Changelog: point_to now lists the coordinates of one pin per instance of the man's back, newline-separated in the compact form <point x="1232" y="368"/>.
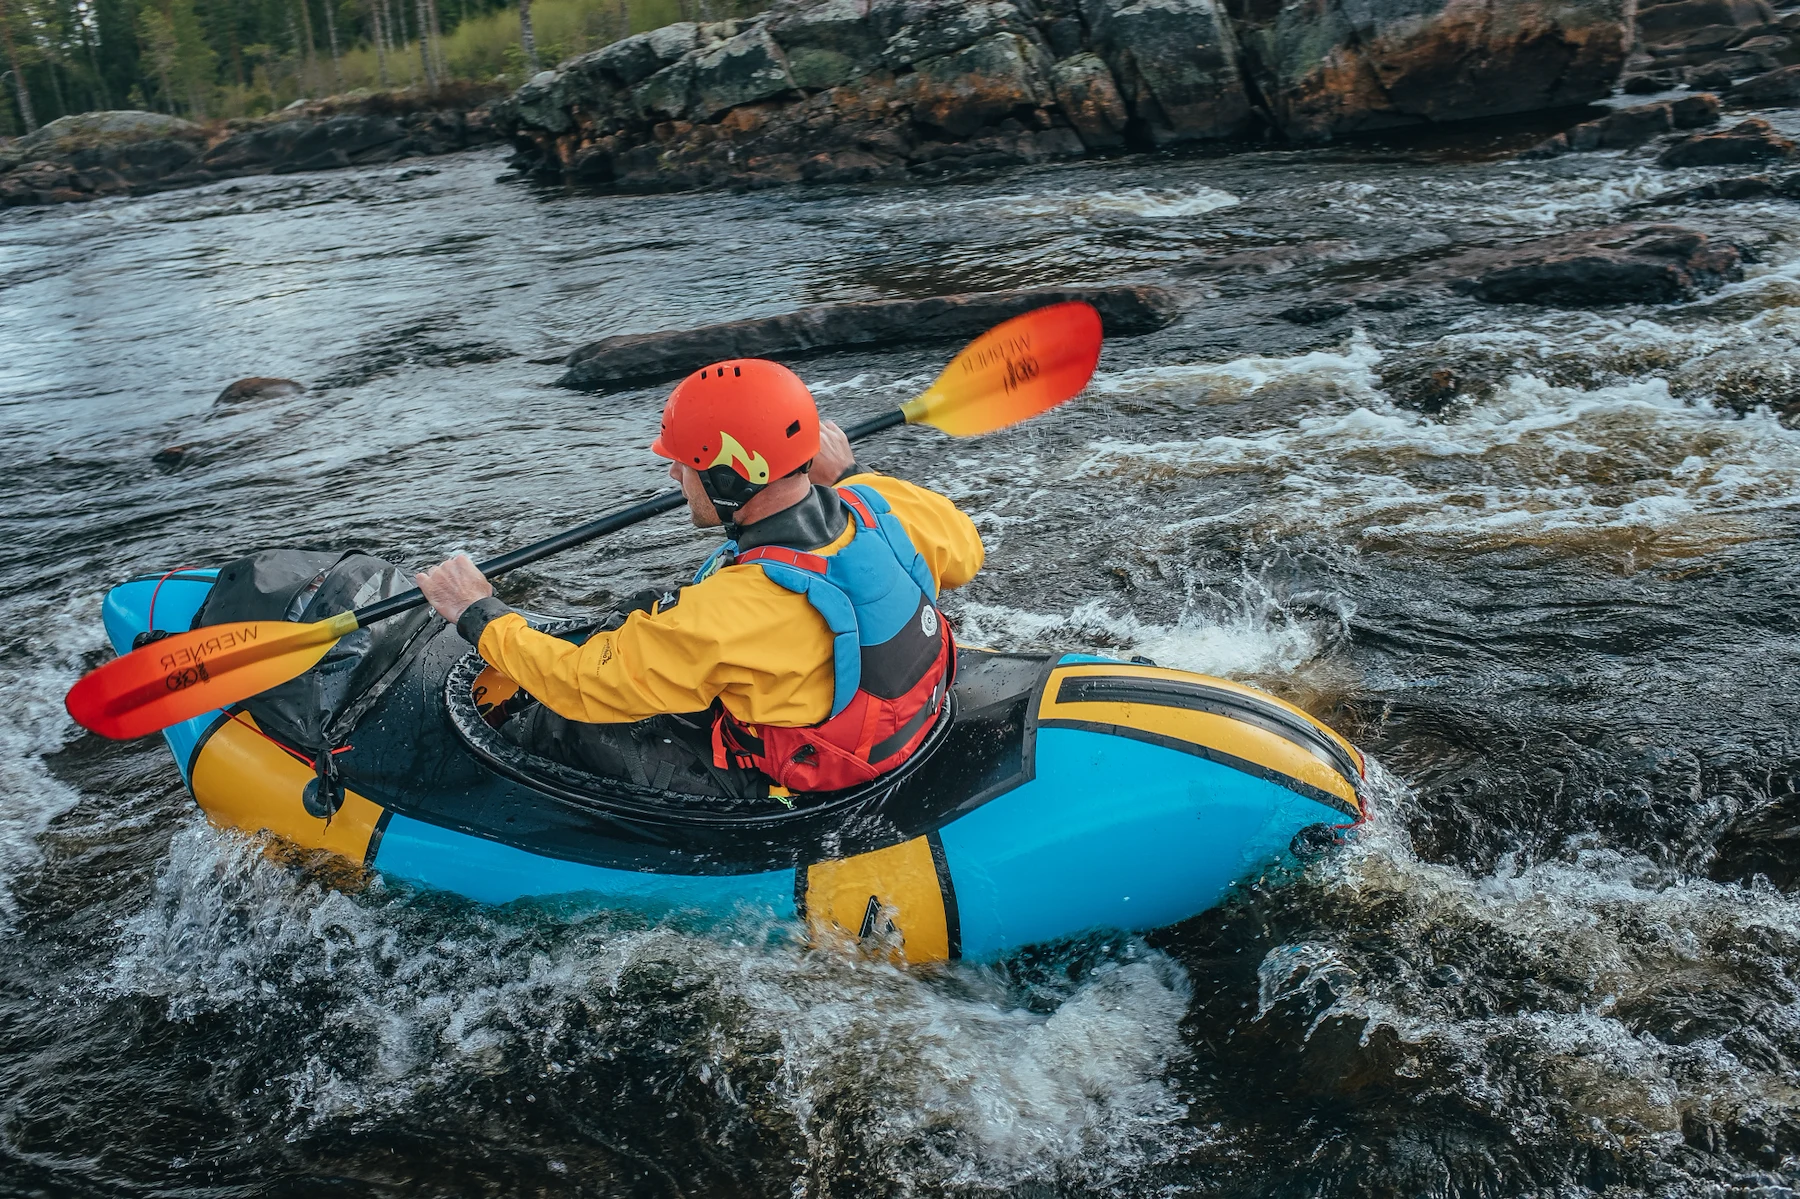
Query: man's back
<point x="737" y="636"/>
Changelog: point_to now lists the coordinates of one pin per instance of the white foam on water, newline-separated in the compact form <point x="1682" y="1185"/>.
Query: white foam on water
<point x="1536" y="462"/>
<point x="34" y="724"/>
<point x="946" y="1077"/>
<point x="1251" y="634"/>
<point x="1350" y="371"/>
<point x="1128" y="203"/>
<point x="1600" y="929"/>
<point x="1541" y="199"/>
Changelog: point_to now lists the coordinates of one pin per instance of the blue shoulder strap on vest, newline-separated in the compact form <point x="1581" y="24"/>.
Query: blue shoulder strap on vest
<point x="894" y="533"/>
<point x="865" y="563"/>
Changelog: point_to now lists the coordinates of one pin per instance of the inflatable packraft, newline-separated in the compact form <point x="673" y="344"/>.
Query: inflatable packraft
<point x="1062" y="793"/>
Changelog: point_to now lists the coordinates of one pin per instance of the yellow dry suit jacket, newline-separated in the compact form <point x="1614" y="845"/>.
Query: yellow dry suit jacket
<point x="736" y="636"/>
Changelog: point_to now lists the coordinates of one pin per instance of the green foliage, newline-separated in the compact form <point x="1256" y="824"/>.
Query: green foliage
<point x="231" y="58"/>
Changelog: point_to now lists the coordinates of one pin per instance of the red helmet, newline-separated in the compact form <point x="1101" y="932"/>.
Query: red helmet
<point x="742" y="424"/>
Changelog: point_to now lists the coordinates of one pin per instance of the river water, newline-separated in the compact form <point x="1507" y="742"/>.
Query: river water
<point x="1560" y="616"/>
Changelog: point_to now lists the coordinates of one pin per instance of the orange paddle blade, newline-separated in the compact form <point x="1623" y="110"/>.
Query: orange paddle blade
<point x="189" y="674"/>
<point x="1014" y="371"/>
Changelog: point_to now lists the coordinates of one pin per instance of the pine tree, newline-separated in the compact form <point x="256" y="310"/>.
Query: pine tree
<point x="21" y="90"/>
<point x="527" y="39"/>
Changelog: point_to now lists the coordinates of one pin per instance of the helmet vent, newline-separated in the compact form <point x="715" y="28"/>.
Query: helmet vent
<point x="793" y="428"/>
<point x="735" y="371"/>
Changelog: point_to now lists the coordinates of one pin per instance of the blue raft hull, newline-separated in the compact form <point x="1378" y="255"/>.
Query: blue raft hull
<point x="1082" y="793"/>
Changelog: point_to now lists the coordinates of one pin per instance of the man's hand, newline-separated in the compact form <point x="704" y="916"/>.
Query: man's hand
<point x="835" y="457"/>
<point x="453" y="585"/>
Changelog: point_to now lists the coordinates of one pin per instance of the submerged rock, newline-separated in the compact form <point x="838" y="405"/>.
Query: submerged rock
<point x="1740" y="187"/>
<point x="648" y="357"/>
<point x="1624" y="264"/>
<point x="1747" y="141"/>
<point x="259" y="387"/>
<point x="1314" y="314"/>
<point x="1773" y="89"/>
<point x="1763" y="841"/>
<point x="1630" y="127"/>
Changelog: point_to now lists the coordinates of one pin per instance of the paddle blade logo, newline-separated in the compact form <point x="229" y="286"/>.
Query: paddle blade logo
<point x="754" y="466"/>
<point x="190" y="674"/>
<point x="1014" y="371"/>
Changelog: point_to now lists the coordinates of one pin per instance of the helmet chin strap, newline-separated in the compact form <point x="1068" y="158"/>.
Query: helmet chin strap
<point x="728" y="491"/>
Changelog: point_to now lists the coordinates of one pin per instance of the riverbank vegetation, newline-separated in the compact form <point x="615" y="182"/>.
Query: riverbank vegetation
<point x="210" y="59"/>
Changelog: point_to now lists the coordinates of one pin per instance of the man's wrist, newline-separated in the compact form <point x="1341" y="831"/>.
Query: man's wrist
<point x="478" y="616"/>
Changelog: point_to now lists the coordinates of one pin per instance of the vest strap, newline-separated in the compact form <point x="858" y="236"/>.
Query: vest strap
<point x="798" y="559"/>
<point x="858" y="505"/>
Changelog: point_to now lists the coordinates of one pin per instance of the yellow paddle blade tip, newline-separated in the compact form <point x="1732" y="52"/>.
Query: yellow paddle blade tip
<point x="1016" y="370"/>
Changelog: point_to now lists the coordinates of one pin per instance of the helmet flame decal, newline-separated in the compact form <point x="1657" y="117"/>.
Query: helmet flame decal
<point x="731" y="452"/>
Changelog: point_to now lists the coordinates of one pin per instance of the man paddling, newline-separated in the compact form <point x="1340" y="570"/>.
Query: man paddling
<point x="807" y="654"/>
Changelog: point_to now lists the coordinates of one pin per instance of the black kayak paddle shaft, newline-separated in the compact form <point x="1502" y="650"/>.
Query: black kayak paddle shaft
<point x="568" y="539"/>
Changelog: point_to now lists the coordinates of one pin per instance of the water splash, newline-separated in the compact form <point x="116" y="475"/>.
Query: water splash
<point x="397" y="1004"/>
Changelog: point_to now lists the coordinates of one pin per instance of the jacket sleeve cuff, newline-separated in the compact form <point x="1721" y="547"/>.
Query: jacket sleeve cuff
<point x="477" y="616"/>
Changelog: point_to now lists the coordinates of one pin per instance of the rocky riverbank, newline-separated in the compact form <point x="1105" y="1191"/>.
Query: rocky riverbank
<point x="857" y="90"/>
<point x="849" y="90"/>
<point x="89" y="155"/>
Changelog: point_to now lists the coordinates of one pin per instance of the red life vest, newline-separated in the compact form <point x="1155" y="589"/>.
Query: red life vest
<point x="893" y="657"/>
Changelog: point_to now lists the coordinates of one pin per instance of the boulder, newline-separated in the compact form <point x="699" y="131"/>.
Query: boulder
<point x="945" y="29"/>
<point x="983" y="84"/>
<point x="1747" y="141"/>
<point x="1647" y="83"/>
<point x="259" y="387"/>
<point x="629" y="61"/>
<point x="1624" y="264"/>
<point x="649" y="357"/>
<point x="1176" y="63"/>
<point x="1672" y="20"/>
<point x="740" y="70"/>
<point x="1772" y="89"/>
<point x="826" y="43"/>
<point x="1630" y="127"/>
<point x="1715" y="78"/>
<point x="304" y="145"/>
<point x="91" y="129"/>
<point x="1089" y="96"/>
<point x="1330" y="67"/>
<point x="666" y="94"/>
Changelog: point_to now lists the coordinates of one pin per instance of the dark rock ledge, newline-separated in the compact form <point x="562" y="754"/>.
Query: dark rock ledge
<point x="89" y="155"/>
<point x="635" y="358"/>
<point x="1623" y="264"/>
<point x="1589" y="268"/>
